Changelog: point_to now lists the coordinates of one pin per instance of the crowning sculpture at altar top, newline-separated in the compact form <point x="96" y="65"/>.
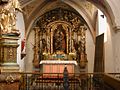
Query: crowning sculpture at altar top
<point x="8" y="12"/>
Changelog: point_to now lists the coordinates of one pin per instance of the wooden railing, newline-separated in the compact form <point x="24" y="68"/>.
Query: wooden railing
<point x="112" y="81"/>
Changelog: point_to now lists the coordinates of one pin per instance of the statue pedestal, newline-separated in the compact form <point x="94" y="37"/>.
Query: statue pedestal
<point x="8" y="53"/>
<point x="9" y="77"/>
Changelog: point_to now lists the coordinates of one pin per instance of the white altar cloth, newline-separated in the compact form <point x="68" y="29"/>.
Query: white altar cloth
<point x="57" y="62"/>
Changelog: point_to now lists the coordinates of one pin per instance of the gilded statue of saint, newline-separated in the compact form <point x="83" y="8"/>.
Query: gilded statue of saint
<point x="8" y="16"/>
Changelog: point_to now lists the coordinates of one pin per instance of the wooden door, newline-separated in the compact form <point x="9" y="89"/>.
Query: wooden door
<point x="99" y="54"/>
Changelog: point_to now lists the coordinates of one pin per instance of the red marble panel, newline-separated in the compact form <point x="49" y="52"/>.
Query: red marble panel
<point x="57" y="68"/>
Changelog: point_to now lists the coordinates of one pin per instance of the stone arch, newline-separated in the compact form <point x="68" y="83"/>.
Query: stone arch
<point x="35" y="14"/>
<point x="103" y="6"/>
<point x="106" y="8"/>
<point x="110" y="15"/>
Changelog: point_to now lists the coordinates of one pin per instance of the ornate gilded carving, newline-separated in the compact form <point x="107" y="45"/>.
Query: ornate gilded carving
<point x="56" y="36"/>
<point x="56" y="15"/>
<point x="8" y="49"/>
<point x="59" y="31"/>
<point x="8" y="16"/>
<point x="9" y="77"/>
<point x="37" y="51"/>
<point x="12" y="54"/>
<point x="8" y="54"/>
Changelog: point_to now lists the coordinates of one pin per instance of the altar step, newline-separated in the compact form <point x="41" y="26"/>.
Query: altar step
<point x="54" y="83"/>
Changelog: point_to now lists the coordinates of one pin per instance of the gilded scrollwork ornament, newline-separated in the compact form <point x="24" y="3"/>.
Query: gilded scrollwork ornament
<point x="10" y="79"/>
<point x="10" y="53"/>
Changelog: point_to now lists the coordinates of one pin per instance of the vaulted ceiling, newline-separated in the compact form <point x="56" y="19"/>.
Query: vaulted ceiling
<point x="35" y="8"/>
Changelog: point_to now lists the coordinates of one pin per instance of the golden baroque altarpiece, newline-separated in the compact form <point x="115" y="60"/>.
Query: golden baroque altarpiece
<point x="60" y="35"/>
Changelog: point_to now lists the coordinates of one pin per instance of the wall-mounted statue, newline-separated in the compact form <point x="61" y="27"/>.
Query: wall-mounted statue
<point x="77" y="46"/>
<point x="59" y="39"/>
<point x="44" y="45"/>
<point x="8" y="16"/>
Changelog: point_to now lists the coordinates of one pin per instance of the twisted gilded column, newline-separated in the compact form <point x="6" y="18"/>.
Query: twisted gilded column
<point x="36" y="47"/>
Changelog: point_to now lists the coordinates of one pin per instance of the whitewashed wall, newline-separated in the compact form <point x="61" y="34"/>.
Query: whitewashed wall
<point x="113" y="44"/>
<point x="116" y="51"/>
<point x="115" y="35"/>
<point x="109" y="59"/>
<point x="115" y="7"/>
<point x="29" y="51"/>
<point x="20" y="26"/>
<point x="90" y="50"/>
